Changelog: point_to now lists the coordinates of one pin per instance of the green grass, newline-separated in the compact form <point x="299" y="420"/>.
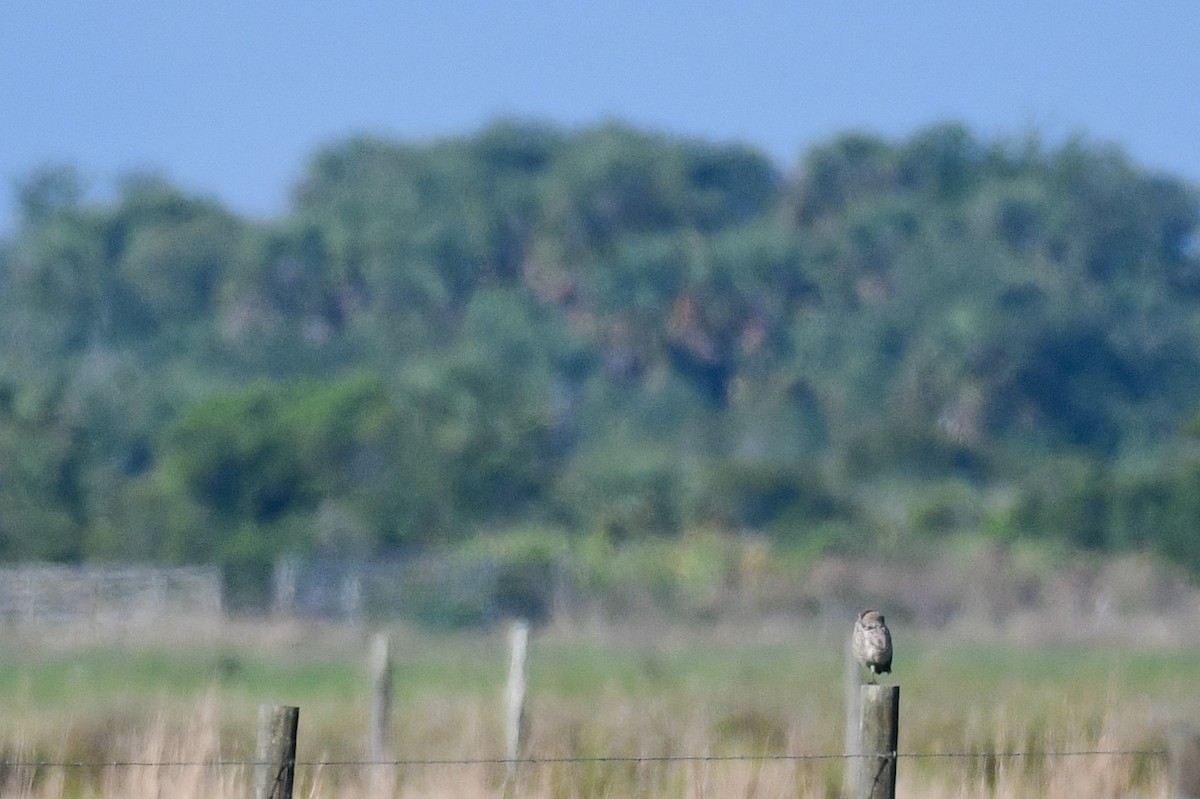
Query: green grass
<point x="324" y="667"/>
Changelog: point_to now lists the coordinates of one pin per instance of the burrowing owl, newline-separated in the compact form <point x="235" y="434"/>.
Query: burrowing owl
<point x="872" y="643"/>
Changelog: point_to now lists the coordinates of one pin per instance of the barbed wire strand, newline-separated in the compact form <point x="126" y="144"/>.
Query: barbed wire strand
<point x="540" y="761"/>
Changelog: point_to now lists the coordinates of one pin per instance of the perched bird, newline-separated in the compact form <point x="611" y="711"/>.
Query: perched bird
<point x="872" y="643"/>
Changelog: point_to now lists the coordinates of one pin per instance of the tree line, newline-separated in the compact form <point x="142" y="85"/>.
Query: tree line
<point x="611" y="333"/>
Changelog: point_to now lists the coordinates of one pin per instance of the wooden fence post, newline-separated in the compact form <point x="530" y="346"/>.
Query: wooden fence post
<point x="275" y="754"/>
<point x="514" y="695"/>
<point x="381" y="698"/>
<point x="1184" y="762"/>
<point x="879" y="730"/>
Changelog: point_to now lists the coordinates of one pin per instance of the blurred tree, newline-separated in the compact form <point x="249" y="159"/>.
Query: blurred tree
<point x="603" y="329"/>
<point x="42" y="477"/>
<point x="47" y="192"/>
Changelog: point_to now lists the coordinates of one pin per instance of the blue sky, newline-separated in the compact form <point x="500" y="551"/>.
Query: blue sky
<point x="230" y="98"/>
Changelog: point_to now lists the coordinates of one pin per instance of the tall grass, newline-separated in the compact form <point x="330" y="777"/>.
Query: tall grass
<point x="1000" y="777"/>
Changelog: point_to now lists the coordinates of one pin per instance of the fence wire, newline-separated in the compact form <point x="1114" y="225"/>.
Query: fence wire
<point x="577" y="760"/>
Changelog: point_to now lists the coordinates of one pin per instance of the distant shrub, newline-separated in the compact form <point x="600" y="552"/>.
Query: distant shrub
<point x="757" y="495"/>
<point x="526" y="565"/>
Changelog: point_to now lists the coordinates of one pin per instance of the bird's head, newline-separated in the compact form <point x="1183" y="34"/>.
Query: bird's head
<point x="870" y="618"/>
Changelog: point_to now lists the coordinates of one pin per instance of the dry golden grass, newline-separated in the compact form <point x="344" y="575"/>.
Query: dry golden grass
<point x="1095" y="777"/>
<point x="1071" y="776"/>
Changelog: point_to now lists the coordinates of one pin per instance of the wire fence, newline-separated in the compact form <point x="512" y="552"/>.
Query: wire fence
<point x="41" y="595"/>
<point x="578" y="759"/>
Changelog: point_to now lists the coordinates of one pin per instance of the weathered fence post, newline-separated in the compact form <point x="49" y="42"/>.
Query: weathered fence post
<point x="514" y="695"/>
<point x="381" y="698"/>
<point x="879" y="733"/>
<point x="1184" y="762"/>
<point x="284" y="580"/>
<point x="275" y="754"/>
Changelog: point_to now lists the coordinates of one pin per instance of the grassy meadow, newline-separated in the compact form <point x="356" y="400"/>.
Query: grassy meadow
<point x="613" y="691"/>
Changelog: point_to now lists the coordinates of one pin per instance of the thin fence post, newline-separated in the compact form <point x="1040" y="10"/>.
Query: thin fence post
<point x="284" y="581"/>
<point x="1183" y="753"/>
<point x="879" y="730"/>
<point x="275" y="754"/>
<point x="514" y="695"/>
<point x="381" y="698"/>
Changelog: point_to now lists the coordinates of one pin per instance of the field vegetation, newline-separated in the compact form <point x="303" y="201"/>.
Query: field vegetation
<point x="645" y="692"/>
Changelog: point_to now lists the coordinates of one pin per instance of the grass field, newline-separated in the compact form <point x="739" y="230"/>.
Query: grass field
<point x="612" y="693"/>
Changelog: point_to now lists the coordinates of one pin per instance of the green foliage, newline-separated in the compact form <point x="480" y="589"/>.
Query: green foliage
<point x="757" y="495"/>
<point x="238" y="456"/>
<point x="526" y="565"/>
<point x="41" y="479"/>
<point x="608" y="332"/>
<point x="1089" y="504"/>
<point x="625" y="491"/>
